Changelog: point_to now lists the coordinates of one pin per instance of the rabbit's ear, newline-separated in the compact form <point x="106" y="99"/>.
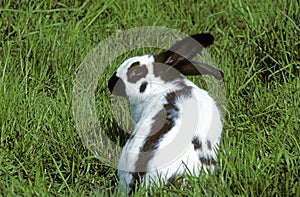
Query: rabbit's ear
<point x="191" y="67"/>
<point x="179" y="56"/>
<point x="185" y="49"/>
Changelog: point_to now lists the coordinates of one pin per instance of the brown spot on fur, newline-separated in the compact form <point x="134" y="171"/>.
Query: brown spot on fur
<point x="165" y="72"/>
<point x="208" y="144"/>
<point x="207" y="161"/>
<point x="163" y="122"/>
<point x="197" y="143"/>
<point x="136" y="72"/>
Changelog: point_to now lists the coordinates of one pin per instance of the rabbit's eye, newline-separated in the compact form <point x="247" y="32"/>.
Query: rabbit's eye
<point x="133" y="65"/>
<point x="143" y="87"/>
<point x="136" y="72"/>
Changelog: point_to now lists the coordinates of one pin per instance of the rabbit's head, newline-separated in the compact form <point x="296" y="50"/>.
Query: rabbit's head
<point x="142" y="76"/>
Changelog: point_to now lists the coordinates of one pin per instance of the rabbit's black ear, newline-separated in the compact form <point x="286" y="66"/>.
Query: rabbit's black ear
<point x="191" y="67"/>
<point x="179" y="56"/>
<point x="185" y="49"/>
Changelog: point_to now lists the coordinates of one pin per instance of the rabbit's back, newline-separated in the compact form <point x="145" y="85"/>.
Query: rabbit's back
<point x="182" y="136"/>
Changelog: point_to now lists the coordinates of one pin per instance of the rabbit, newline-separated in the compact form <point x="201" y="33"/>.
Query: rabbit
<point x="177" y="125"/>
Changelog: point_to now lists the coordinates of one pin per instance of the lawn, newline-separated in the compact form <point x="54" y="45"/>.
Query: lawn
<point x="43" y="44"/>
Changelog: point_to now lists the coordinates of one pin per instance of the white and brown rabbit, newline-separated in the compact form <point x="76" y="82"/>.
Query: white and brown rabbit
<point x="177" y="125"/>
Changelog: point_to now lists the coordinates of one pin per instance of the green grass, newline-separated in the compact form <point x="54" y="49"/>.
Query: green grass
<point x="43" y="44"/>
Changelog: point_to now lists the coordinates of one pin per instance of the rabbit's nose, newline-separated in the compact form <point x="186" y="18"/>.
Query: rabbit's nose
<point x="116" y="86"/>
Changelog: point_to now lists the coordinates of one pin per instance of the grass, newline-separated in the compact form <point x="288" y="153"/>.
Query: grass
<point x="44" y="42"/>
